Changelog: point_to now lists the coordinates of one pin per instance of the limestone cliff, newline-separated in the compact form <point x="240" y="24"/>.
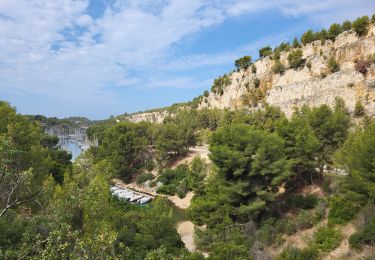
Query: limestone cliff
<point x="312" y="84"/>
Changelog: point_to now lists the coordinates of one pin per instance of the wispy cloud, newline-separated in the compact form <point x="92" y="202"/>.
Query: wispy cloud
<point x="59" y="48"/>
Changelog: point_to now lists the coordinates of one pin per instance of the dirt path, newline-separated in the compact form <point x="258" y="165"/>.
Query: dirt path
<point x="183" y="203"/>
<point x="202" y="151"/>
<point x="186" y="230"/>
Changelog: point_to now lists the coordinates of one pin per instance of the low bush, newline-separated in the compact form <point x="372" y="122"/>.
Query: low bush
<point x="256" y="82"/>
<point x="305" y="220"/>
<point x="293" y="253"/>
<point x="144" y="177"/>
<point x="334" y="30"/>
<point x="346" y="26"/>
<point x="304" y="202"/>
<point x="360" y="25"/>
<point x="333" y="65"/>
<point x="327" y="239"/>
<point x="278" y="67"/>
<point x="253" y="69"/>
<point x="342" y="209"/>
<point x="265" y="51"/>
<point x="167" y="190"/>
<point x="295" y="59"/>
<point x="359" y="110"/>
<point x="307" y="37"/>
<point x="243" y="63"/>
<point x="220" y="84"/>
<point x="366" y="236"/>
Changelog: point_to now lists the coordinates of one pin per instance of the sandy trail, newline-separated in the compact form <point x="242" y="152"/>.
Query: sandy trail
<point x="202" y="151"/>
<point x="186" y="230"/>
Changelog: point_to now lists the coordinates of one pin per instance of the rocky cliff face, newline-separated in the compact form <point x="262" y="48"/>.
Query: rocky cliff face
<point x="312" y="84"/>
<point x="154" y="117"/>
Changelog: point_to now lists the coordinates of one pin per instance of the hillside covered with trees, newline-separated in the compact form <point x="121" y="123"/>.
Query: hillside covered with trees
<point x="276" y="186"/>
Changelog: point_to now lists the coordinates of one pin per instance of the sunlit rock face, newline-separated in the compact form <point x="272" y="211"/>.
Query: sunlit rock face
<point x="312" y="84"/>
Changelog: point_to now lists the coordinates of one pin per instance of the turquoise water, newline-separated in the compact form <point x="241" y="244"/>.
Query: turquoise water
<point x="73" y="149"/>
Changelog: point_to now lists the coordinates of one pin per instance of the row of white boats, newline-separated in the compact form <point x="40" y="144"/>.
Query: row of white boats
<point x="130" y="195"/>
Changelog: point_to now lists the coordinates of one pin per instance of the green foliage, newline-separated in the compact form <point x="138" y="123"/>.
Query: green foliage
<point x="293" y="253"/>
<point x="206" y="93"/>
<point x="125" y="146"/>
<point x="334" y="30"/>
<point x="333" y="66"/>
<point x="307" y="37"/>
<point x="357" y="157"/>
<point x="360" y="25"/>
<point x="359" y="110"/>
<point x="251" y="164"/>
<point x="256" y="83"/>
<point x="220" y="84"/>
<point x="144" y="177"/>
<point x="323" y="35"/>
<point x="300" y="201"/>
<point x="265" y="51"/>
<point x="366" y="236"/>
<point x="295" y="59"/>
<point x="327" y="239"/>
<point x="278" y="67"/>
<point x="174" y="139"/>
<point x="373" y="18"/>
<point x="253" y="69"/>
<point x="343" y="208"/>
<point x="346" y="26"/>
<point x="330" y="127"/>
<point x="243" y="63"/>
<point x="296" y="43"/>
<point x="184" y="178"/>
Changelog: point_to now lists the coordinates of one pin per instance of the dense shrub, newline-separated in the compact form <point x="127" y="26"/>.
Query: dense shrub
<point x="296" y="43"/>
<point x="373" y="18"/>
<point x="167" y="189"/>
<point x="333" y="65"/>
<point x="220" y="84"/>
<point x="295" y="59"/>
<point x="265" y="51"/>
<point x="278" y="67"/>
<point x="334" y="30"/>
<point x="359" y="110"/>
<point x="243" y="63"/>
<point x="360" y="25"/>
<point x="256" y="82"/>
<point x="293" y="253"/>
<point x="253" y="69"/>
<point x="307" y="37"/>
<point x="206" y="93"/>
<point x="144" y="177"/>
<point x="304" y="220"/>
<point x="342" y="209"/>
<point x="346" y="26"/>
<point x="327" y="239"/>
<point x="304" y="202"/>
<point x="364" y="237"/>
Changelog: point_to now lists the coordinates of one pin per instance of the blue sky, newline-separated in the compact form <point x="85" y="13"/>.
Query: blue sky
<point x="98" y="58"/>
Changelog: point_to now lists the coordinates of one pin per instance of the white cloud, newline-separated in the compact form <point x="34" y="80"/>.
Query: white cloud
<point x="54" y="47"/>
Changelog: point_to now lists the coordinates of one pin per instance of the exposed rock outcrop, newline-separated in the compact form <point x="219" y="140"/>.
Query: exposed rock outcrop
<point x="313" y="84"/>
